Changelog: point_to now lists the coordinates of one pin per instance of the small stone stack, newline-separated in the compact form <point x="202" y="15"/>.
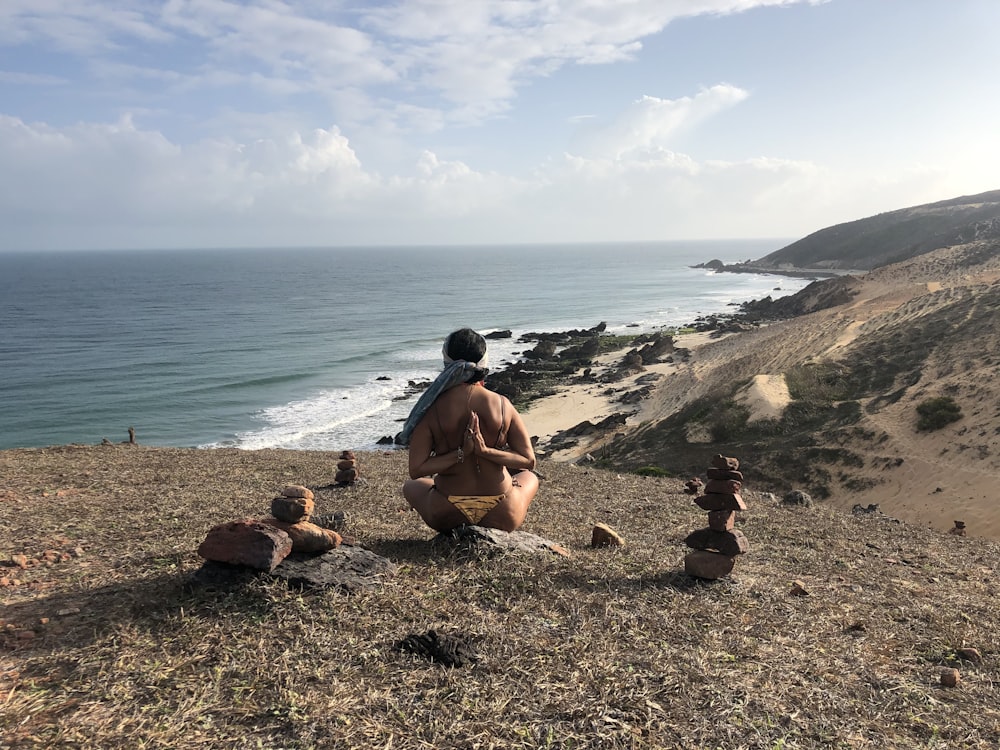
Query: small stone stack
<point x="347" y="469"/>
<point x="291" y="512"/>
<point x="693" y="486"/>
<point x="264" y="543"/>
<point x="717" y="546"/>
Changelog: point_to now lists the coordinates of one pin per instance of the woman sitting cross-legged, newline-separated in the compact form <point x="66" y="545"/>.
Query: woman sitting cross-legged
<point x="471" y="460"/>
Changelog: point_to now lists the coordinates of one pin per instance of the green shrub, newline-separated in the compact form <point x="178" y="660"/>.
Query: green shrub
<point x="935" y="413"/>
<point x="820" y="382"/>
<point x="728" y="421"/>
<point x="652" y="471"/>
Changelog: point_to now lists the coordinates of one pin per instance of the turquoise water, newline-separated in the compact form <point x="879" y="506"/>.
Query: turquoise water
<point x="305" y="348"/>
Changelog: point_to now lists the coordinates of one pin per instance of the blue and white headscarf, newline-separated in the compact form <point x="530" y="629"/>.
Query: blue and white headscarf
<point x="456" y="372"/>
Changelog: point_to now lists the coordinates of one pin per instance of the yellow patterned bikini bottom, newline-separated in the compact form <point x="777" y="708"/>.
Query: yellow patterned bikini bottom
<point x="474" y="507"/>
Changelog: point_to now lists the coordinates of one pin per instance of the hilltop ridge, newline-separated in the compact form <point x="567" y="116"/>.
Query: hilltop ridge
<point x="892" y="237"/>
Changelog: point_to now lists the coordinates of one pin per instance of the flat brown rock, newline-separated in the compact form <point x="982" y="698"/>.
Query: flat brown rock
<point x="724" y="486"/>
<point x="721" y="520"/>
<point x="346" y="476"/>
<point x="708" y="565"/>
<point x="714" y="473"/>
<point x="729" y="543"/>
<point x="721" y="501"/>
<point x="307" y="537"/>
<point x="297" y="490"/>
<point x="247" y="542"/>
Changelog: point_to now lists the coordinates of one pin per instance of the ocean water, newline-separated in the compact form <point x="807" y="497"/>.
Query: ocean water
<point x="307" y="348"/>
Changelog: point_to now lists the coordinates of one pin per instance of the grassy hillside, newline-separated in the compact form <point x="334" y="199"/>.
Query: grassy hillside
<point x="106" y="647"/>
<point x="894" y="236"/>
<point x="857" y="375"/>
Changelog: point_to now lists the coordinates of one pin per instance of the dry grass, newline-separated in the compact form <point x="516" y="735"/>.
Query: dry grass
<point x="605" y="649"/>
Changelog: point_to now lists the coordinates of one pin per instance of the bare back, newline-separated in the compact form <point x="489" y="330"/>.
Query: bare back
<point x="448" y="420"/>
<point x="471" y="446"/>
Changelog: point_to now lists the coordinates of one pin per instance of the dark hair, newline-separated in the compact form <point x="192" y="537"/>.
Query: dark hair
<point x="466" y="344"/>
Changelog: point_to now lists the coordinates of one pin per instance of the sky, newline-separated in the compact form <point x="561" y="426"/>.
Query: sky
<point x="276" y="123"/>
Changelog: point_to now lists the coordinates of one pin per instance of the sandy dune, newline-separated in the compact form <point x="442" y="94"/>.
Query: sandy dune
<point x="931" y="478"/>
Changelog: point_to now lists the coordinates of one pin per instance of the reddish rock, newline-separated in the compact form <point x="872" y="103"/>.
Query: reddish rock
<point x="348" y="454"/>
<point x="720" y="501"/>
<point x="708" y="565"/>
<point x="724" y="462"/>
<point x="714" y="473"/>
<point x="969" y="654"/>
<point x="730" y="543"/>
<point x="292" y="509"/>
<point x="721" y="520"/>
<point x="346" y="463"/>
<point x="346" y="476"/>
<point x="950" y="677"/>
<point x="693" y="486"/>
<point x="20" y="561"/>
<point x="297" y="490"/>
<point x="723" y="486"/>
<point x="959" y="529"/>
<point x="251" y="543"/>
<point x="604" y="536"/>
<point x="307" y="537"/>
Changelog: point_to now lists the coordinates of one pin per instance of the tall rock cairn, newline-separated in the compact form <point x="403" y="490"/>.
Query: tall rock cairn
<point x="716" y="548"/>
<point x="347" y="468"/>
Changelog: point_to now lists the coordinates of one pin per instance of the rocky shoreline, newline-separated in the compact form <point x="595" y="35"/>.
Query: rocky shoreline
<point x="579" y="358"/>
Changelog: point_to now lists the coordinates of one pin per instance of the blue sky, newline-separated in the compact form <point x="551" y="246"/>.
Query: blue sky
<point x="205" y="123"/>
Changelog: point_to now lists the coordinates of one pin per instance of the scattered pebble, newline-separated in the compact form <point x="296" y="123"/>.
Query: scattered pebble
<point x="605" y="536"/>
<point x="970" y="654"/>
<point x="950" y="677"/>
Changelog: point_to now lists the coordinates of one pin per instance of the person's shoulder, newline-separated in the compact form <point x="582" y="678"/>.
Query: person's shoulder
<point x="496" y="397"/>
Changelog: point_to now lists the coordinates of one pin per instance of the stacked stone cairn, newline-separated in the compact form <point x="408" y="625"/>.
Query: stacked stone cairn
<point x="716" y="548"/>
<point x="693" y="486"/>
<point x="347" y="469"/>
<point x="264" y="543"/>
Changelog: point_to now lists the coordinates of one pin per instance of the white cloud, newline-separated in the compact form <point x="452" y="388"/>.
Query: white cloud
<point x="464" y="58"/>
<point x="650" y="122"/>
<point x="121" y="174"/>
<point x="80" y="27"/>
<point x="108" y="185"/>
<point x="250" y="171"/>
